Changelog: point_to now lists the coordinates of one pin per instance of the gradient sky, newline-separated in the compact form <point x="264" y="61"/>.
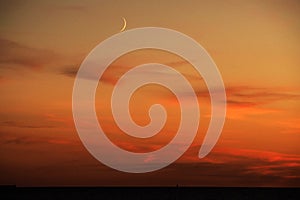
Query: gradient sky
<point x="255" y="45"/>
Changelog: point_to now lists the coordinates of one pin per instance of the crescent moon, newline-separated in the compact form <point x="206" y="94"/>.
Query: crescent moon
<point x="124" y="26"/>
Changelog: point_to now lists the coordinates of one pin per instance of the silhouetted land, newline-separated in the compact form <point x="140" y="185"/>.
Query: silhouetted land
<point x="144" y="193"/>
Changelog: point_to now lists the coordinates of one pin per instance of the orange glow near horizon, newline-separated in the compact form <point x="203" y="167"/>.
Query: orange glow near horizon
<point x="254" y="44"/>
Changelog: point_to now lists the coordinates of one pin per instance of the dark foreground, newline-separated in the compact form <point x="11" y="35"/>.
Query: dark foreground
<point x="150" y="193"/>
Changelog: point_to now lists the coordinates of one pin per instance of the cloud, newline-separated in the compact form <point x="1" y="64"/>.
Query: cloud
<point x="245" y="166"/>
<point x="256" y="96"/>
<point x="243" y="101"/>
<point x="9" y="139"/>
<point x="23" y="125"/>
<point x="63" y="158"/>
<point x="70" y="70"/>
<point x="80" y="8"/>
<point x="111" y="78"/>
<point x="68" y="7"/>
<point x="14" y="55"/>
<point x="116" y="71"/>
<point x="227" y="175"/>
<point x="2" y="79"/>
<point x="25" y="139"/>
<point x="246" y="96"/>
<point x="290" y="125"/>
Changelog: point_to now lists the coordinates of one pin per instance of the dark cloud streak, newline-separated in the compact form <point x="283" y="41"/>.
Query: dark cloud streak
<point x="23" y="125"/>
<point x="14" y="55"/>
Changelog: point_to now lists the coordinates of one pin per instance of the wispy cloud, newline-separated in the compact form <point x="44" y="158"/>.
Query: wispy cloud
<point x="255" y="95"/>
<point x="252" y="164"/>
<point x="21" y="139"/>
<point x="116" y="71"/>
<point x="23" y="125"/>
<point x="14" y="55"/>
<point x="290" y="125"/>
<point x="244" y="101"/>
<point x="2" y="79"/>
<point x="68" y="7"/>
<point x="70" y="70"/>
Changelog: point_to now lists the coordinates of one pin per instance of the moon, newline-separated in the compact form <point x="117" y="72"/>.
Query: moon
<point x="124" y="26"/>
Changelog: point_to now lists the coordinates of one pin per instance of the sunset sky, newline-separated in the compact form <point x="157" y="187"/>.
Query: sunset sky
<point x="255" y="44"/>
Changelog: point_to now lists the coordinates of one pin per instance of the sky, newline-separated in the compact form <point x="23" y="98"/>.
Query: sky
<point x="255" y="45"/>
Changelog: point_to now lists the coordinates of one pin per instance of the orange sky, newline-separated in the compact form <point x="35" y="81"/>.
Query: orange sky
<point x="255" y="45"/>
